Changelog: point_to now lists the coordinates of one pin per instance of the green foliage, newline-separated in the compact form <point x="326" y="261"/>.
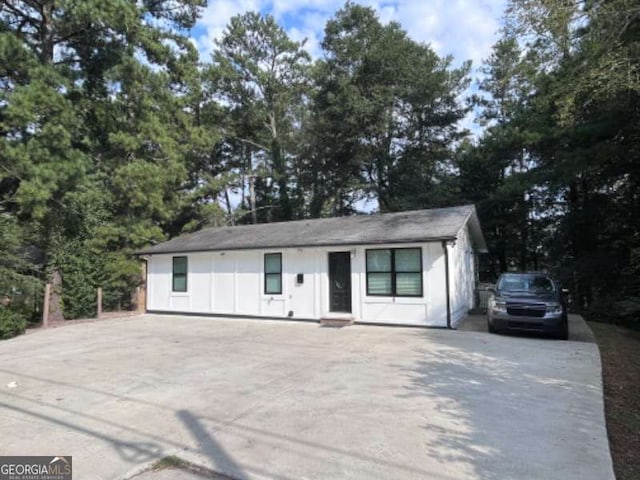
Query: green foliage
<point x="95" y="106"/>
<point x="262" y="75"/>
<point x="78" y="290"/>
<point x="385" y="116"/>
<point x="113" y="136"/>
<point x="620" y="311"/>
<point x="12" y="323"/>
<point x="20" y="287"/>
<point x="558" y="160"/>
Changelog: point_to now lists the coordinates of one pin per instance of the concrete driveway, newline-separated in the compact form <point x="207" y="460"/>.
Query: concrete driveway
<point x="285" y="400"/>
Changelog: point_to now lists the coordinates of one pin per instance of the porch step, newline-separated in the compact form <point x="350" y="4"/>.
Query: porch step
<point x="336" y="322"/>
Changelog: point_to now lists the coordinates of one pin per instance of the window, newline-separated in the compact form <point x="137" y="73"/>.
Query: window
<point x="273" y="273"/>
<point x="379" y="272"/>
<point x="179" y="274"/>
<point x="394" y="272"/>
<point x="524" y="282"/>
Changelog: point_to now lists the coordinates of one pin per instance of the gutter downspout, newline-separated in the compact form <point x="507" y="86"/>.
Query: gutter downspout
<point x="446" y="275"/>
<point x="144" y="288"/>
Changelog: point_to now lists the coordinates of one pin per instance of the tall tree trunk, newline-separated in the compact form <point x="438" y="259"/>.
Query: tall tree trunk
<point x="317" y="200"/>
<point x="47" y="42"/>
<point x="384" y="203"/>
<point x="573" y="242"/>
<point x="252" y="199"/>
<point x="281" y="179"/>
<point x="524" y="217"/>
<point x="227" y="201"/>
<point x="524" y="253"/>
<point x="55" y="299"/>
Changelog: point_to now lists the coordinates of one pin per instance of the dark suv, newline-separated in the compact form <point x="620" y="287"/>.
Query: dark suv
<point x="531" y="302"/>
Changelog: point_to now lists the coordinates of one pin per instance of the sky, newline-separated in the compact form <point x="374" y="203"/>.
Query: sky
<point x="465" y="29"/>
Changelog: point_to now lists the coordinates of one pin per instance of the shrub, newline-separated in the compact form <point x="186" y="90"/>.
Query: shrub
<point x="619" y="312"/>
<point x="12" y="323"/>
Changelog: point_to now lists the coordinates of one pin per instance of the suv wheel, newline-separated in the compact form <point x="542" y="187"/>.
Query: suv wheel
<point x="564" y="331"/>
<point x="491" y="328"/>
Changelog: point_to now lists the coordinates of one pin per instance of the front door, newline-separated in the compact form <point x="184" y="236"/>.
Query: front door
<point x="340" y="282"/>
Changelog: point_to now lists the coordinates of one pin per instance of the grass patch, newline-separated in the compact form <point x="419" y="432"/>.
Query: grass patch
<point x="176" y="463"/>
<point x="620" y="353"/>
<point x="169" y="462"/>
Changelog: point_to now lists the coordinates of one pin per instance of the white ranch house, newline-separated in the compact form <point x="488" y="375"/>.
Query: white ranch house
<point x="411" y="268"/>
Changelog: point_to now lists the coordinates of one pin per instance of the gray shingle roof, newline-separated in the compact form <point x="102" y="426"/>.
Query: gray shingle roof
<point x="403" y="227"/>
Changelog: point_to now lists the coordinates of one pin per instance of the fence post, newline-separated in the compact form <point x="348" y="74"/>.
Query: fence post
<point x="99" y="302"/>
<point x="141" y="291"/>
<point x="45" y="306"/>
<point x="55" y="298"/>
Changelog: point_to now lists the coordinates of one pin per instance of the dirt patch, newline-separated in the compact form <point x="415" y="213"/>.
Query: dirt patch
<point x="620" y="352"/>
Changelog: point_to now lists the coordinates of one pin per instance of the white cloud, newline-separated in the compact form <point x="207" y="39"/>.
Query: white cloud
<point x="215" y="18"/>
<point x="311" y="38"/>
<point x="465" y="29"/>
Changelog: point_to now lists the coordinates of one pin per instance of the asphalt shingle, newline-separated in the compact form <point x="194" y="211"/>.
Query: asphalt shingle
<point x="402" y="227"/>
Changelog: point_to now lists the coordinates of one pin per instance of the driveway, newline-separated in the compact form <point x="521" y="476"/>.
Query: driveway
<point x="286" y="400"/>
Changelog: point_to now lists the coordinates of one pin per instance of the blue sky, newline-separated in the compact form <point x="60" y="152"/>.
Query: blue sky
<point x="465" y="29"/>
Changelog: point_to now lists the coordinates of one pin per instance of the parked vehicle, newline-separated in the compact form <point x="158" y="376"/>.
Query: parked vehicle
<point x="531" y="302"/>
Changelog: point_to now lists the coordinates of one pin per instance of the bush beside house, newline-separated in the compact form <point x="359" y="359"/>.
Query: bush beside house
<point x="12" y="323"/>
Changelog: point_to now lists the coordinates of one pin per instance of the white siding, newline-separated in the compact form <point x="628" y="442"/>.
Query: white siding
<point x="159" y="283"/>
<point x="248" y="285"/>
<point x="223" y="285"/>
<point x="232" y="282"/>
<point x="436" y="289"/>
<point x="462" y="268"/>
<point x="301" y="295"/>
<point x="199" y="282"/>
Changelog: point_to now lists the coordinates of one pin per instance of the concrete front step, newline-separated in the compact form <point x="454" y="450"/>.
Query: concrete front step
<point x="336" y="321"/>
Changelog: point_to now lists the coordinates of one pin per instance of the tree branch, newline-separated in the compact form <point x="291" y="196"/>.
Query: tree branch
<point x="251" y="142"/>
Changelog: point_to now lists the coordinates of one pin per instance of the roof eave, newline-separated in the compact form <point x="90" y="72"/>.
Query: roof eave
<point x="476" y="232"/>
<point x="149" y="252"/>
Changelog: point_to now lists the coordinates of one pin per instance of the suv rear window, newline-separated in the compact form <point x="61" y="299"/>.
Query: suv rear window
<point x="525" y="283"/>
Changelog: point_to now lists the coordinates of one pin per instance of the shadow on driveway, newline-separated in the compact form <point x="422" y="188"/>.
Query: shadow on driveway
<point x="579" y="331"/>
<point x="499" y="392"/>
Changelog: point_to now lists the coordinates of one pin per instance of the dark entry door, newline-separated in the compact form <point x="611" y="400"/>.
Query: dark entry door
<point x="340" y="282"/>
